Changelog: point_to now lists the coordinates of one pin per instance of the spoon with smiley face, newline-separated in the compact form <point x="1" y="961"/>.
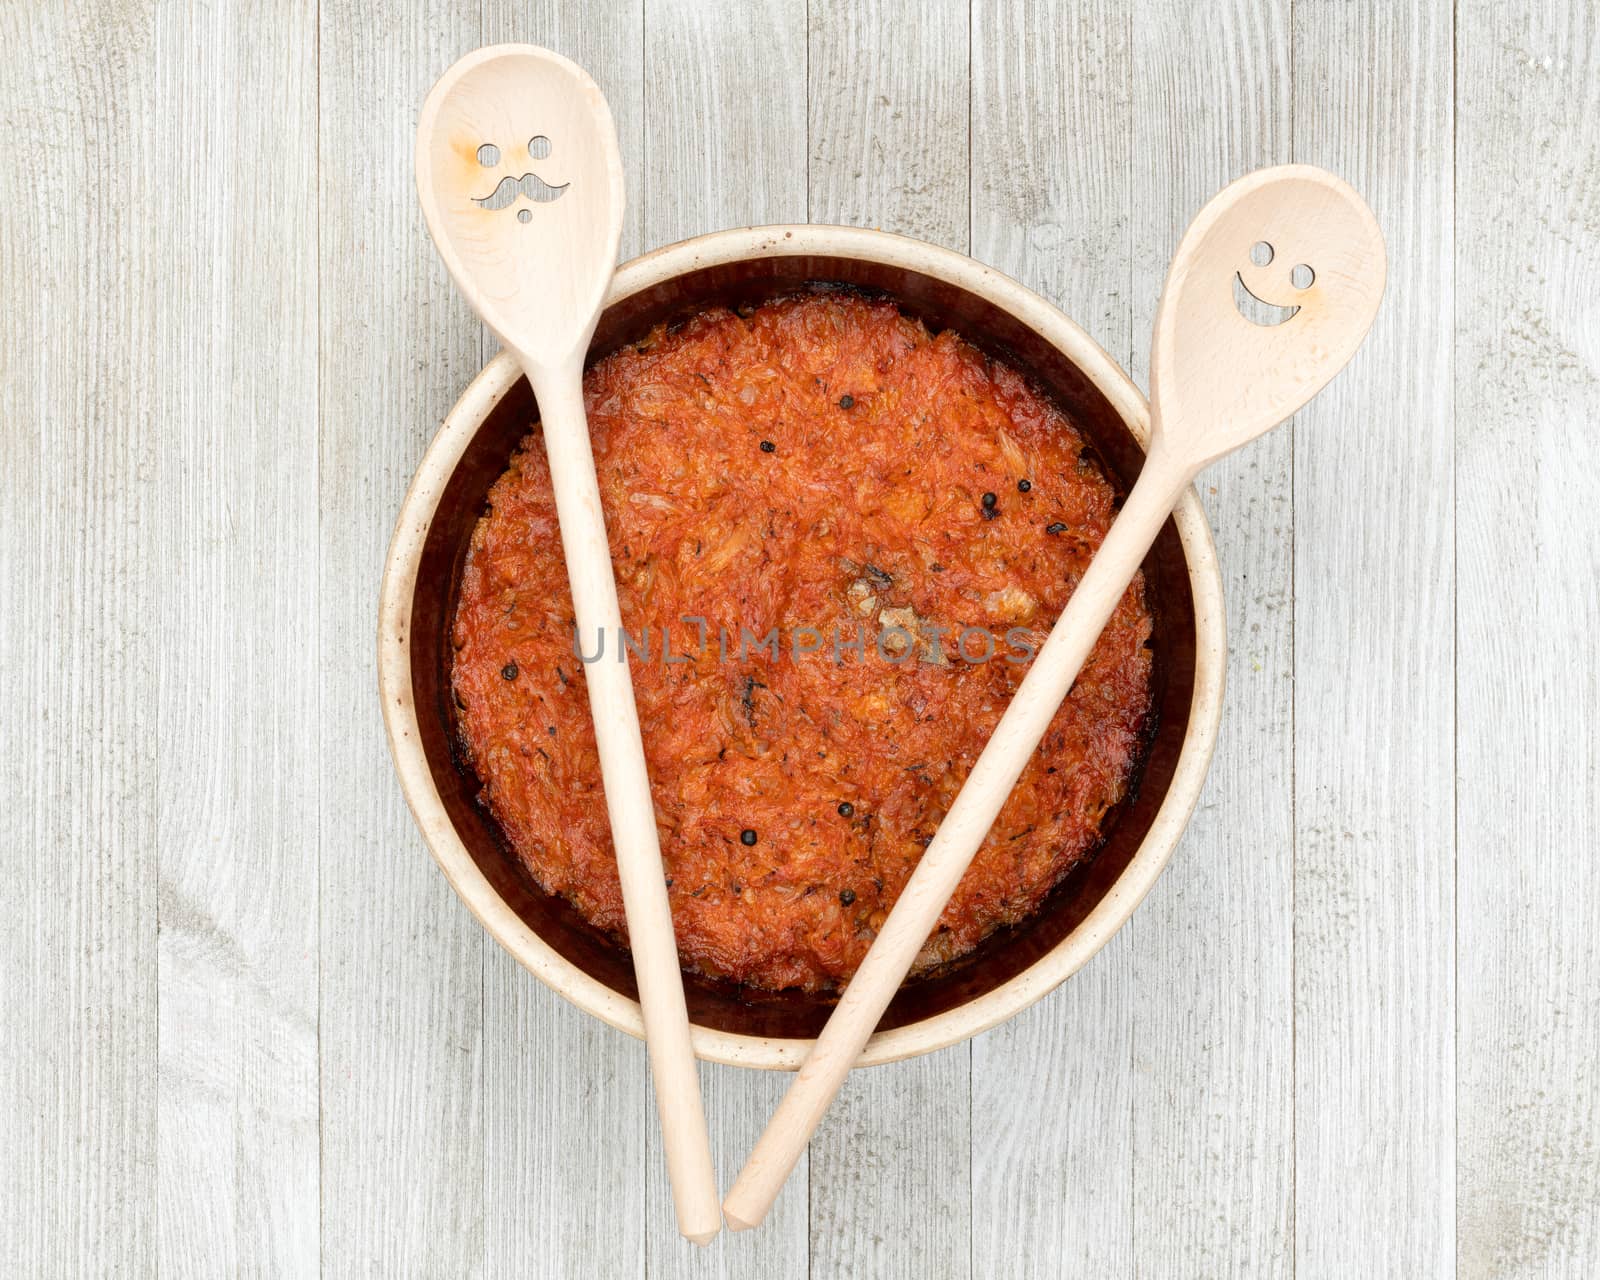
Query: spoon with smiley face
<point x="529" y="231"/>
<point x="1218" y="380"/>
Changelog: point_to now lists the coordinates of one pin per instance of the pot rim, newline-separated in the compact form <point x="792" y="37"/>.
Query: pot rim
<point x="564" y="977"/>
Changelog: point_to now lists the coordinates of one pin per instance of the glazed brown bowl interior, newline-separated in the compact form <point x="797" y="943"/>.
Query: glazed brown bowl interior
<point x="939" y="305"/>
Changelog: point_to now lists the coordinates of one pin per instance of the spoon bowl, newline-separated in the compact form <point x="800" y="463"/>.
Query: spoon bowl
<point x="520" y="179"/>
<point x="1296" y="238"/>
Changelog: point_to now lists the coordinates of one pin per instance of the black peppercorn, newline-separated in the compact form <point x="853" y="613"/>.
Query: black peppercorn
<point x="1057" y="527"/>
<point x="747" y="836"/>
<point x="768" y="447"/>
<point x="846" y="809"/>
<point x="1024" y="485"/>
<point x="509" y="671"/>
<point x="847" y="402"/>
<point x="846" y="897"/>
<point x="990" y="499"/>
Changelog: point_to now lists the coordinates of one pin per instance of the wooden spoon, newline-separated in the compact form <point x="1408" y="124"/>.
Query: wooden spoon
<point x="1218" y="381"/>
<point x="520" y="180"/>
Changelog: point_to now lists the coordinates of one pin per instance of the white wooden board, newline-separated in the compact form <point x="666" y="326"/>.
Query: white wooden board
<point x="247" y="1026"/>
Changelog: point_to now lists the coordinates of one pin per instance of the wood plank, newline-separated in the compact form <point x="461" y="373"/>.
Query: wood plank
<point x="1528" y="757"/>
<point x="1374" y="678"/>
<point x="566" y="1107"/>
<point x="725" y="145"/>
<point x="891" y="1166"/>
<point x="726" y="115"/>
<point x="1212" y="990"/>
<point x="79" y="255"/>
<point x="1052" y="1090"/>
<point x="889" y="102"/>
<point x="567" y="1100"/>
<point x="403" y="1164"/>
<point x="891" y="1173"/>
<point x="232" y="615"/>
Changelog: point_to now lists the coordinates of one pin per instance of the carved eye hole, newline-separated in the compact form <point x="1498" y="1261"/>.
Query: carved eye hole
<point x="1302" y="276"/>
<point x="488" y="155"/>
<point x="539" y="146"/>
<point x="1261" y="254"/>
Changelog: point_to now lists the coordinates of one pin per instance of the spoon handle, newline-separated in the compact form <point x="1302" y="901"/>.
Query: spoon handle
<point x="559" y="393"/>
<point x="946" y="859"/>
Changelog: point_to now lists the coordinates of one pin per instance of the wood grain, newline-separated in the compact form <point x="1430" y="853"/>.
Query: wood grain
<point x="889" y="103"/>
<point x="1212" y="985"/>
<point x="403" y="1147"/>
<point x="1052" y="1118"/>
<point x="235" y="608"/>
<point x="80" y="268"/>
<point x="725" y="115"/>
<point x="890" y="1165"/>
<point x="1527" y="766"/>
<point x="1374" y="680"/>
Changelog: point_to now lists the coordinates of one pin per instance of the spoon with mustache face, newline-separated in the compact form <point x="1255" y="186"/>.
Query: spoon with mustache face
<point x="537" y="273"/>
<point x="1217" y="381"/>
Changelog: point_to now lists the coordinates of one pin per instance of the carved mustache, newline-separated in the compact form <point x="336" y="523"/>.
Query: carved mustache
<point x="530" y="185"/>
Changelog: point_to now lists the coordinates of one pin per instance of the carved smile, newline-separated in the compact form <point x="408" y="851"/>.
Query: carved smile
<point x="1259" y="310"/>
<point x="529" y="184"/>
